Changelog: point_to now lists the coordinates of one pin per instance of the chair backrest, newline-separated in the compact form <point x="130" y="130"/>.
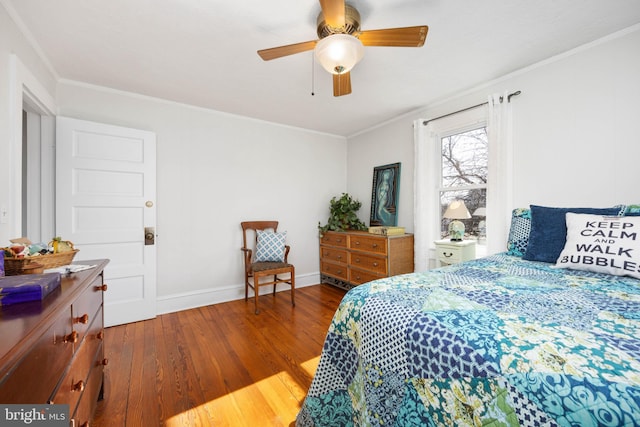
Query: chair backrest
<point x="250" y="227"/>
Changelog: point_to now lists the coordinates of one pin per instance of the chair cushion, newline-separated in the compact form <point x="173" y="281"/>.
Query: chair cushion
<point x="262" y="266"/>
<point x="270" y="246"/>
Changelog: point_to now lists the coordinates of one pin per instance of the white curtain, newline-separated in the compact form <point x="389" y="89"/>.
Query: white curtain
<point x="499" y="188"/>
<point x="425" y="181"/>
<point x="499" y="185"/>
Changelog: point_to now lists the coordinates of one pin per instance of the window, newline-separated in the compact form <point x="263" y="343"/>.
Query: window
<point x="463" y="176"/>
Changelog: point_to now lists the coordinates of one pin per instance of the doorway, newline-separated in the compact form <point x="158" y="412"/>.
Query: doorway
<point x="38" y="175"/>
<point x="32" y="114"/>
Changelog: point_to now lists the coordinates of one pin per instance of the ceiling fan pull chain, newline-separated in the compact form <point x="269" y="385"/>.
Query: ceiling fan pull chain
<point x="313" y="74"/>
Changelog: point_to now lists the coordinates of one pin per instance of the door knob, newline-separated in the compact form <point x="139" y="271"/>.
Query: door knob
<point x="149" y="235"/>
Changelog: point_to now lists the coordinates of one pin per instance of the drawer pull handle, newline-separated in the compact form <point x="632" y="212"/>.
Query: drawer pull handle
<point x="79" y="386"/>
<point x="375" y="264"/>
<point x="84" y="319"/>
<point x="357" y="242"/>
<point x="100" y="335"/>
<point x="72" y="337"/>
<point x="447" y="255"/>
<point x="104" y="362"/>
<point x="375" y="245"/>
<point x="339" y="256"/>
<point x="102" y="288"/>
<point x="338" y="240"/>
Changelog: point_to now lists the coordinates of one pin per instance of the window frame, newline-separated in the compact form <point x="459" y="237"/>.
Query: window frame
<point x="456" y="123"/>
<point x="438" y="147"/>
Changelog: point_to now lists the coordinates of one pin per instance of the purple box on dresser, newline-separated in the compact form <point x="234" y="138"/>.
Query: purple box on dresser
<point x="28" y="287"/>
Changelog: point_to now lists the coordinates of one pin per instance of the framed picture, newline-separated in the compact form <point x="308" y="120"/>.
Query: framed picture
<point x="384" y="195"/>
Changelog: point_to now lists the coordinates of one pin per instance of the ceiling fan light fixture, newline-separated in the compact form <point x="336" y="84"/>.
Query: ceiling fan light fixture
<point x="339" y="53"/>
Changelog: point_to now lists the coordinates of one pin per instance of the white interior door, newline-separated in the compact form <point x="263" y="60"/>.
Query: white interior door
<point x="105" y="199"/>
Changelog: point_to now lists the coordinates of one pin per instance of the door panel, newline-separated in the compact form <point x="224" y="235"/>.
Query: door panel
<point x="105" y="197"/>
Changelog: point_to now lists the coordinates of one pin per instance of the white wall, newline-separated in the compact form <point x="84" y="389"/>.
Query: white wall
<point x="215" y="170"/>
<point x="19" y="63"/>
<point x="575" y="129"/>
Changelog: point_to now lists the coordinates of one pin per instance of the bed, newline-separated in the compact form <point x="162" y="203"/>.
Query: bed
<point x="498" y="341"/>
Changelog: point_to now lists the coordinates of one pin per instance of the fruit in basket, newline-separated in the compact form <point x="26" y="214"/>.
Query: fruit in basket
<point x="38" y="249"/>
<point x="60" y="245"/>
<point x="19" y="251"/>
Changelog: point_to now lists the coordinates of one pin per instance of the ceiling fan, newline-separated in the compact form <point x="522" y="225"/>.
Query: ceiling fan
<point x="341" y="42"/>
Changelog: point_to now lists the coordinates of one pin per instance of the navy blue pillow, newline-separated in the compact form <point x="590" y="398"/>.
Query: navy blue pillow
<point x="549" y="230"/>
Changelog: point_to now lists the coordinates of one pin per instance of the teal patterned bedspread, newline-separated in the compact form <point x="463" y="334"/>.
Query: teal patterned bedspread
<point x="498" y="341"/>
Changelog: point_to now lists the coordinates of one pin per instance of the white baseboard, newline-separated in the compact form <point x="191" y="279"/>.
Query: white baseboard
<point x="187" y="300"/>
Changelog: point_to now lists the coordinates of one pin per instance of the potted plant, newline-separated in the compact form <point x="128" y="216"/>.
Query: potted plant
<point x="343" y="215"/>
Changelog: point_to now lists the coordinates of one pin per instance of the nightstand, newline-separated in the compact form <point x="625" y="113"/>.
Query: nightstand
<point x="448" y="252"/>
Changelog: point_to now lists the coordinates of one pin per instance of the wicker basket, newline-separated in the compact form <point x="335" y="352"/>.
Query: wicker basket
<point x="16" y="266"/>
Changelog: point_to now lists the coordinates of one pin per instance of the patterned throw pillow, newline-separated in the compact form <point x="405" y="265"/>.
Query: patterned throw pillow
<point x="632" y="210"/>
<point x="519" y="232"/>
<point x="602" y="244"/>
<point x="270" y="246"/>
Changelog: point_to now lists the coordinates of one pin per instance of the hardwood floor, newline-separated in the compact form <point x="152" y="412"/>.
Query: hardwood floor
<point x="219" y="365"/>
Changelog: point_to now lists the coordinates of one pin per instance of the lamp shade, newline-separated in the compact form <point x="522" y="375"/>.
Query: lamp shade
<point x="338" y="53"/>
<point x="480" y="212"/>
<point x="457" y="210"/>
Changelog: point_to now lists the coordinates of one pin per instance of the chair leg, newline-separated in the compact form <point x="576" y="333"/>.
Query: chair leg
<point x="256" y="290"/>
<point x="275" y="284"/>
<point x="293" y="286"/>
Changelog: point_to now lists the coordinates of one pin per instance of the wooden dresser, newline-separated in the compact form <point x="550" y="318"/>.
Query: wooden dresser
<point x="350" y="258"/>
<point x="52" y="351"/>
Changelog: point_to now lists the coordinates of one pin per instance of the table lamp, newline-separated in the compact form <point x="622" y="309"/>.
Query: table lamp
<point x="456" y="210"/>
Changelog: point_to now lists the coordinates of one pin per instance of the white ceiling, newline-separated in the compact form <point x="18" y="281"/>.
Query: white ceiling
<point x="203" y="52"/>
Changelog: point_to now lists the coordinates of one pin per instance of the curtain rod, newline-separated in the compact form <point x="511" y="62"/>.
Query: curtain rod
<point x="516" y="93"/>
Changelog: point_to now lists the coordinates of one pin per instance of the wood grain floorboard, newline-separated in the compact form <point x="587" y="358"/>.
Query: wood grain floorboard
<point x="219" y="365"/>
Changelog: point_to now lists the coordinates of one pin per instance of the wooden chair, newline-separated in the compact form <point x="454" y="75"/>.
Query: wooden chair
<point x="255" y="273"/>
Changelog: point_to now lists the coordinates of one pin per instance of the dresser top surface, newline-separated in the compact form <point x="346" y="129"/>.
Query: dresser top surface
<point x="366" y="233"/>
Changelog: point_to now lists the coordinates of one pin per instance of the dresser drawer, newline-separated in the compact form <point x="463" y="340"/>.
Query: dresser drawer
<point x="358" y="277"/>
<point x="449" y="255"/>
<point x="332" y="254"/>
<point x="368" y="262"/>
<point x="33" y="378"/>
<point x="448" y="252"/>
<point x="334" y="239"/>
<point x="336" y="270"/>
<point x="84" y="309"/>
<point x="349" y="258"/>
<point x="368" y="243"/>
<point x="89" y="399"/>
<point x="75" y="380"/>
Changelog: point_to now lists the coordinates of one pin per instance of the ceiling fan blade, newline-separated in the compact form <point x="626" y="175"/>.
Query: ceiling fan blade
<point x="342" y="84"/>
<point x="333" y="12"/>
<point x="280" y="51"/>
<point x="398" y="37"/>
